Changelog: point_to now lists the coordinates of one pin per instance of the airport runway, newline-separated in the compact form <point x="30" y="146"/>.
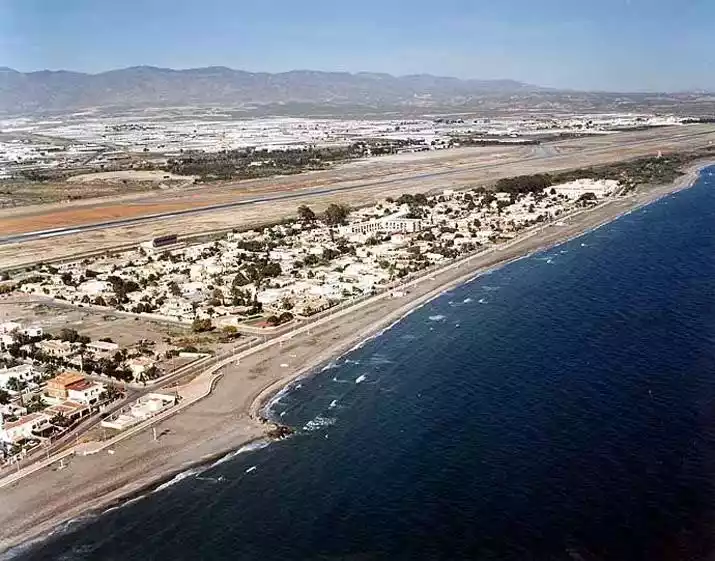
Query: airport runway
<point x="55" y="232"/>
<point x="539" y="153"/>
<point x="302" y="194"/>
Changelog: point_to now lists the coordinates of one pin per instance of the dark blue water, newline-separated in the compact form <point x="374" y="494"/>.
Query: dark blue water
<point x="562" y="407"/>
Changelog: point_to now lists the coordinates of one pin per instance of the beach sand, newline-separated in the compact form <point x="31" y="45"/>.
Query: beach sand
<point x="226" y="419"/>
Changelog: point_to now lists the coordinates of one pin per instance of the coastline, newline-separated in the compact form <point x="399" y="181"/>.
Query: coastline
<point x="42" y="504"/>
<point x="268" y="394"/>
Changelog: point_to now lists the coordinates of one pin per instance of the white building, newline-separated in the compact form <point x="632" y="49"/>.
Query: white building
<point x="33" y="331"/>
<point x="56" y="348"/>
<point x="389" y="224"/>
<point x="95" y="287"/>
<point x="23" y="428"/>
<point x="574" y="189"/>
<point x="139" y="365"/>
<point x="9" y="327"/>
<point x="102" y="346"/>
<point x="22" y="373"/>
<point x="85" y="392"/>
<point x="144" y="408"/>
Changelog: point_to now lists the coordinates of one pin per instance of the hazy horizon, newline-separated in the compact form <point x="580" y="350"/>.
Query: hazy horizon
<point x="616" y="45"/>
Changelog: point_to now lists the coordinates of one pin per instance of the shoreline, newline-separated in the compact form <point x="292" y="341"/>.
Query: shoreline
<point x="268" y="394"/>
<point x="252" y="407"/>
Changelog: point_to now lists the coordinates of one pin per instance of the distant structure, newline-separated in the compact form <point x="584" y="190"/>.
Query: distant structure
<point x="162" y="243"/>
<point x="393" y="224"/>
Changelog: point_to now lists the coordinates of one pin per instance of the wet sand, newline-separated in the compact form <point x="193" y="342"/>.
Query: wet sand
<point x="226" y="419"/>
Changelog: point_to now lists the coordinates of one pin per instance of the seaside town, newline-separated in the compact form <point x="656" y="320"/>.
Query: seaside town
<point x="282" y="274"/>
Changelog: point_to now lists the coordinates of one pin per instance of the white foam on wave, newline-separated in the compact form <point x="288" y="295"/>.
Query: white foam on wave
<point x="438" y="317"/>
<point x="178" y="478"/>
<point x="126" y="503"/>
<point x="466" y="300"/>
<point x="318" y="423"/>
<point x="360" y="379"/>
<point x="252" y="447"/>
<point x="483" y="301"/>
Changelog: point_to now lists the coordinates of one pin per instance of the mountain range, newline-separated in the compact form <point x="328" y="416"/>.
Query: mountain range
<point x="150" y="86"/>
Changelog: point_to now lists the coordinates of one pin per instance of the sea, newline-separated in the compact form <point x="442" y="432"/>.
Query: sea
<point x="559" y="408"/>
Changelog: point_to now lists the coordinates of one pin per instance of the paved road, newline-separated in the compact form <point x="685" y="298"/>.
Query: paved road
<point x="539" y="153"/>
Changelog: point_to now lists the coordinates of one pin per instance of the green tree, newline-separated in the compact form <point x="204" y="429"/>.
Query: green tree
<point x="15" y="385"/>
<point x="60" y="420"/>
<point x="110" y="394"/>
<point x="174" y="288"/>
<point x="336" y="214"/>
<point x="201" y="325"/>
<point x="67" y="334"/>
<point x="4" y="397"/>
<point x="306" y="214"/>
<point x="35" y="404"/>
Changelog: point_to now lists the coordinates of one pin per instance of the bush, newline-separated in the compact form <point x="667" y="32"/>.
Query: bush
<point x="201" y="325"/>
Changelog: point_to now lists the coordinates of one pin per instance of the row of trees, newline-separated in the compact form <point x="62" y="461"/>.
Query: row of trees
<point x="249" y="163"/>
<point x="334" y="215"/>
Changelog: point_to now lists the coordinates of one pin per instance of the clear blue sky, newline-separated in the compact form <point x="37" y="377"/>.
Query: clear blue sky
<point x="585" y="44"/>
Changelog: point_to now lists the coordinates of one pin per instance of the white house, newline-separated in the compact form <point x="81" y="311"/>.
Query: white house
<point x="102" y="346"/>
<point x="9" y="327"/>
<point x="94" y="287"/>
<point x="22" y="372"/>
<point x="56" y="348"/>
<point x="139" y="365"/>
<point x="33" y="331"/>
<point x="85" y="392"/>
<point x="23" y="427"/>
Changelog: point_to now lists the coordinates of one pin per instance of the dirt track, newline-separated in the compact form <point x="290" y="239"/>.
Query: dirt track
<point x="356" y="183"/>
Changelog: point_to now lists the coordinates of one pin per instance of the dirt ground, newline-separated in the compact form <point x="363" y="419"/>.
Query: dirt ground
<point x="52" y="316"/>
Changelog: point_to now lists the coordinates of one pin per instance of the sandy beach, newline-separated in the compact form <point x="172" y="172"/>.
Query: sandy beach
<point x="227" y="419"/>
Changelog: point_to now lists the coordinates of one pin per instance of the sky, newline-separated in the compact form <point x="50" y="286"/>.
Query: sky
<point x="614" y="45"/>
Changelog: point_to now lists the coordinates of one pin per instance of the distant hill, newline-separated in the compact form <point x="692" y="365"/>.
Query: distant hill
<point x="145" y="85"/>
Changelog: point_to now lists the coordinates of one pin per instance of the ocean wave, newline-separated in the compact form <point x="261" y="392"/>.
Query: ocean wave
<point x="178" y="478"/>
<point x="251" y="447"/>
<point x="438" y="317"/>
<point x="318" y="423"/>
